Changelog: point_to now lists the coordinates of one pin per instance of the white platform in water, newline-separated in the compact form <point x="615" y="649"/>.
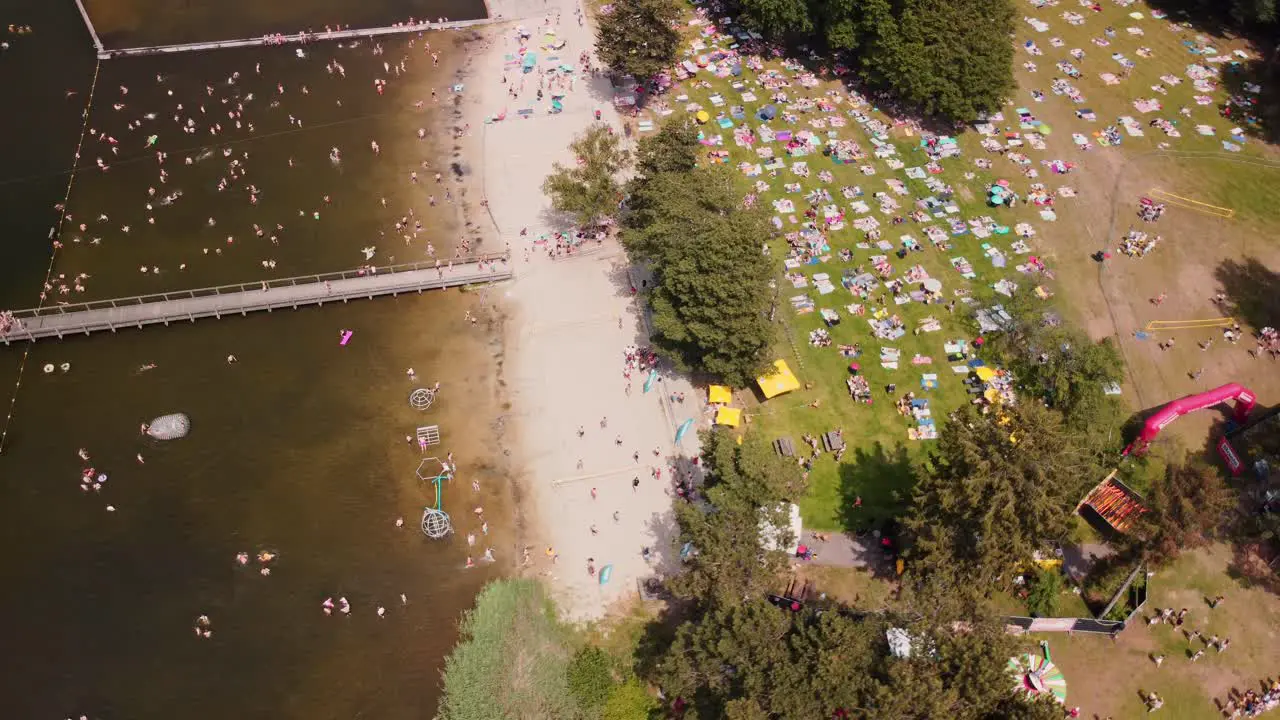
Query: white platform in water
<point x="169" y="427"/>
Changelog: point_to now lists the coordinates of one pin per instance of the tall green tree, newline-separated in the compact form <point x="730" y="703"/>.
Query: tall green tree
<point x="638" y="37"/>
<point x="1188" y="509"/>
<point x="755" y="660"/>
<point x="711" y="294"/>
<point x="999" y="487"/>
<point x="1059" y="365"/>
<point x="952" y="58"/>
<point x="955" y="671"/>
<point x="589" y="190"/>
<point x="778" y="17"/>
<point x="746" y="485"/>
<point x="673" y="149"/>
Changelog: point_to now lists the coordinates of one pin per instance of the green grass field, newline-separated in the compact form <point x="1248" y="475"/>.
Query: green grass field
<point x="877" y="465"/>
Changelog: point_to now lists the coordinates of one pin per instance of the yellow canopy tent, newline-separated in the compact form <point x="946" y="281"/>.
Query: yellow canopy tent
<point x="719" y="394"/>
<point x="780" y="381"/>
<point x="729" y="416"/>
<point x="984" y="373"/>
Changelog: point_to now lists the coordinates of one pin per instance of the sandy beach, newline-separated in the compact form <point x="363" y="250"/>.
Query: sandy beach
<point x="577" y="431"/>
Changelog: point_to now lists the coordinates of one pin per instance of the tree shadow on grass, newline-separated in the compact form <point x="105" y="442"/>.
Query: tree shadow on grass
<point x="1259" y="114"/>
<point x="883" y="478"/>
<point x="1250" y="287"/>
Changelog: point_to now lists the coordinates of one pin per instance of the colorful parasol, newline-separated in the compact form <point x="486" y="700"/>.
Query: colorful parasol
<point x="1038" y="675"/>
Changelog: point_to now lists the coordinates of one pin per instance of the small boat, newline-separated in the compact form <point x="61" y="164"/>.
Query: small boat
<point x="169" y="427"/>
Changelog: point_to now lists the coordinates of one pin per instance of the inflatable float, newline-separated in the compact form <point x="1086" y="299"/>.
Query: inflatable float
<point x="169" y="427"/>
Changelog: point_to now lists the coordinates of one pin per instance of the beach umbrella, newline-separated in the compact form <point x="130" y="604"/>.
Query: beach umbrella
<point x="702" y="116"/>
<point x="606" y="572"/>
<point x="933" y="285"/>
<point x="1037" y="676"/>
<point x="648" y="382"/>
<point x="684" y="428"/>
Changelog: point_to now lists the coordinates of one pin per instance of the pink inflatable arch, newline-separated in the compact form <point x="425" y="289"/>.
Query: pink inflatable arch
<point x="1245" y="400"/>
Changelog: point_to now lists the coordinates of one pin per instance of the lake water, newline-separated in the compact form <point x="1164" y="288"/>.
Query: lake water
<point x="297" y="448"/>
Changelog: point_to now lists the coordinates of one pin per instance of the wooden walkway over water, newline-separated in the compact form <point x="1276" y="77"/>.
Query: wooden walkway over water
<point x="191" y="305"/>
<point x="294" y="39"/>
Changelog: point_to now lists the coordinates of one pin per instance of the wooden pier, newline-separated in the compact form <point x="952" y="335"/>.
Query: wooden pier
<point x="294" y="39"/>
<point x="190" y="305"/>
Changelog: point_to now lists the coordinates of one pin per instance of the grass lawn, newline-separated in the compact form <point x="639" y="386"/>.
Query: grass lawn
<point x="877" y="464"/>
<point x="1105" y="677"/>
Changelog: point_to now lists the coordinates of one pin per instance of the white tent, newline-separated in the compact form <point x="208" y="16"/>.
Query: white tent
<point x="770" y="534"/>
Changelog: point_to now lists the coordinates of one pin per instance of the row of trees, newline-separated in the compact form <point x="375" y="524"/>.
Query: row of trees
<point x="710" y="294"/>
<point x="711" y="276"/>
<point x="949" y="58"/>
<point x="738" y="656"/>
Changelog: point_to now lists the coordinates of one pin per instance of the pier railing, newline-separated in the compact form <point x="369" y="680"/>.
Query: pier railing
<point x="243" y="298"/>
<point x="295" y="38"/>
<point x="245" y="287"/>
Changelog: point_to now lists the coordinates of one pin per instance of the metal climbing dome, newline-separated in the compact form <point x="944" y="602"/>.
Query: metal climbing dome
<point x="422" y="398"/>
<point x="435" y="521"/>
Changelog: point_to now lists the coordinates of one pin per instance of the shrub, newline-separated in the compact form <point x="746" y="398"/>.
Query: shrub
<point x="589" y="678"/>
<point x="628" y="701"/>
<point x="1042" y="599"/>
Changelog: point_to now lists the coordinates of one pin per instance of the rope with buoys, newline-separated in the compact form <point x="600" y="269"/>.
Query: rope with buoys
<point x="54" y="234"/>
